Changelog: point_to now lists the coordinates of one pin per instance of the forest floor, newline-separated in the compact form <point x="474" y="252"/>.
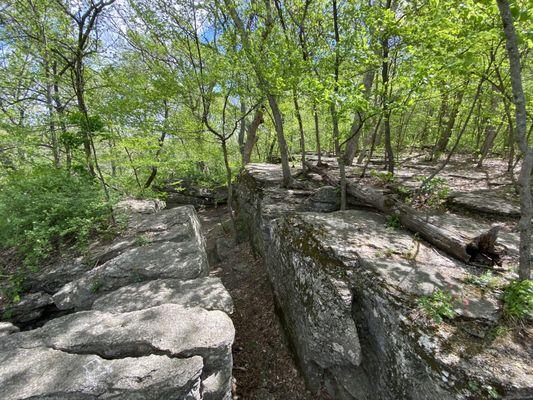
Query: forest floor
<point x="263" y="366"/>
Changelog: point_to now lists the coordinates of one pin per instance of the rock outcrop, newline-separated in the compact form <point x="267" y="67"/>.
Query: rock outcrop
<point x="348" y="287"/>
<point x="155" y="326"/>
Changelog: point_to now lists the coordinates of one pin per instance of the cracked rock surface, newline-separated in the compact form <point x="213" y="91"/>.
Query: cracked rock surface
<point x="158" y="329"/>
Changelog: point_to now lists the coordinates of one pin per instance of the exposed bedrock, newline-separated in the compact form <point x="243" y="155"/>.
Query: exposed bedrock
<point x="164" y="245"/>
<point x="348" y="288"/>
<point x="155" y="326"/>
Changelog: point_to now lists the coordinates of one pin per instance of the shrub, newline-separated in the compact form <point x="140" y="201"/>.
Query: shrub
<point x="438" y="305"/>
<point x="383" y="176"/>
<point x="435" y="191"/>
<point x="518" y="299"/>
<point x="44" y="211"/>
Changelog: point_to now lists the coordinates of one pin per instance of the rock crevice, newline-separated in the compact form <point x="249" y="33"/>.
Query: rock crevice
<point x="348" y="287"/>
<point x="146" y="321"/>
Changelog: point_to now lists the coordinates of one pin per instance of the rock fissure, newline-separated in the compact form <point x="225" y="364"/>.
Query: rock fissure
<point x="349" y="286"/>
<point x="148" y="322"/>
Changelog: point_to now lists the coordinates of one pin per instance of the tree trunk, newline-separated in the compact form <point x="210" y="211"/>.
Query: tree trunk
<point x="357" y="125"/>
<point x="229" y="183"/>
<point x="251" y="135"/>
<point x="524" y="179"/>
<point x="317" y="135"/>
<point x="300" y="125"/>
<point x="385" y="64"/>
<point x="283" y="151"/>
<point x="445" y="135"/>
<point x="333" y="110"/>
<point x="242" y="131"/>
<point x="160" y="143"/>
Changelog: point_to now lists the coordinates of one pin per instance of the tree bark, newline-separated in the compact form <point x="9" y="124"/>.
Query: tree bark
<point x="251" y="135"/>
<point x="445" y="135"/>
<point x="358" y="122"/>
<point x="386" y="107"/>
<point x="283" y="151"/>
<point x="300" y="125"/>
<point x="317" y="135"/>
<point x="524" y="179"/>
<point x="242" y="131"/>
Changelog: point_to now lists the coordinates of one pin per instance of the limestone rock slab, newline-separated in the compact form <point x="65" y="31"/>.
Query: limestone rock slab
<point x="208" y="293"/>
<point x="45" y="373"/>
<point x="168" y="329"/>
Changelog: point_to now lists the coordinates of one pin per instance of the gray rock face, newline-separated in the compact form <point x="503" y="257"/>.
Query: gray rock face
<point x="168" y="329"/>
<point x="29" y="308"/>
<point x="348" y="287"/>
<point x="175" y="249"/>
<point x="51" y="278"/>
<point x="7" y="328"/>
<point x="159" y="328"/>
<point x="160" y="260"/>
<point x="140" y="206"/>
<point x="325" y="199"/>
<point x="45" y="373"/>
<point x="224" y="247"/>
<point x="207" y="293"/>
<point x="487" y="202"/>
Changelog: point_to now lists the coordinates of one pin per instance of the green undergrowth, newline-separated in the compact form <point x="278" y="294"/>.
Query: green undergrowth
<point x="45" y="213"/>
<point x="518" y="300"/>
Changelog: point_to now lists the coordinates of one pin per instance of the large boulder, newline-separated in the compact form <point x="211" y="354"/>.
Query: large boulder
<point x="325" y="199"/>
<point x="486" y="202"/>
<point x="148" y="206"/>
<point x="159" y="260"/>
<point x="207" y="293"/>
<point x="349" y="290"/>
<point x="44" y="373"/>
<point x="172" y="246"/>
<point x="169" y="330"/>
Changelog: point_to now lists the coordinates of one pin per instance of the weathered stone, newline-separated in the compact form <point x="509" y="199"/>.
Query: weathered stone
<point x="140" y="206"/>
<point x="176" y="225"/>
<point x="183" y="191"/>
<point x="176" y="250"/>
<point x="159" y="260"/>
<point x="44" y="373"/>
<point x="224" y="246"/>
<point x="487" y="202"/>
<point x="7" y="328"/>
<point x="30" y="308"/>
<point x="325" y="199"/>
<point x="207" y="293"/>
<point x="51" y="277"/>
<point x="345" y="280"/>
<point x="168" y="329"/>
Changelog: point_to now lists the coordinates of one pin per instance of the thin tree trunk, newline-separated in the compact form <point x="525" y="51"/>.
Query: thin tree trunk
<point x="242" y="131"/>
<point x="160" y="142"/>
<point x="459" y="135"/>
<point x="358" y="122"/>
<point x="228" y="182"/>
<point x="251" y="135"/>
<point x="317" y="135"/>
<point x="333" y="110"/>
<point x="386" y="110"/>
<point x="524" y="179"/>
<point x="283" y="151"/>
<point x="300" y="125"/>
<point x="445" y="135"/>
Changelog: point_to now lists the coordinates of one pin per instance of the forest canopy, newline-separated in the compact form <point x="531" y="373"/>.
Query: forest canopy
<point x="107" y="98"/>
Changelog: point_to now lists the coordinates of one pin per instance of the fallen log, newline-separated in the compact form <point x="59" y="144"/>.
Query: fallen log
<point x="448" y="241"/>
